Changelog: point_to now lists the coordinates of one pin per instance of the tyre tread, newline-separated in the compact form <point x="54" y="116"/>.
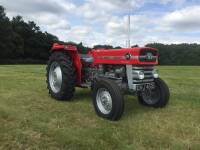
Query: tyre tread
<point x="69" y="76"/>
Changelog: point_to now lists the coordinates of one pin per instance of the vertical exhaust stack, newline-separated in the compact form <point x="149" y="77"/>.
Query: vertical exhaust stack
<point x="128" y="31"/>
<point x="129" y="25"/>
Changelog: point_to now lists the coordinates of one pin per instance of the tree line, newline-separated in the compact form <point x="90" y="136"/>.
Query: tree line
<point x="178" y="54"/>
<point x="24" y="42"/>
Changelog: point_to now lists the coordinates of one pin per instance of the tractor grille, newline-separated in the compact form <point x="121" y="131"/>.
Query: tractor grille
<point x="133" y="78"/>
<point x="148" y="75"/>
<point x="148" y="56"/>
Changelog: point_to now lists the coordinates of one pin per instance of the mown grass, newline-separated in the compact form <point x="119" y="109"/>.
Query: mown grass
<point x="30" y="119"/>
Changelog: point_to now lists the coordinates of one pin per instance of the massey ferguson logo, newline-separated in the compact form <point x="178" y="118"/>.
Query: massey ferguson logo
<point x="149" y="56"/>
<point x="128" y="56"/>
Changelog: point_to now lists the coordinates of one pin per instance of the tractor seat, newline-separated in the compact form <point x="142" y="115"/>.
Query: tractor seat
<point x="86" y="58"/>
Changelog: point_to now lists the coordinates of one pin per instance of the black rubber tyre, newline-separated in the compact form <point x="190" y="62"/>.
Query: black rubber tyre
<point x="67" y="89"/>
<point x="160" y="98"/>
<point x="116" y="97"/>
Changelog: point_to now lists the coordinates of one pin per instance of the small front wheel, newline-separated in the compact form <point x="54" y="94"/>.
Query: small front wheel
<point x="107" y="99"/>
<point x="157" y="97"/>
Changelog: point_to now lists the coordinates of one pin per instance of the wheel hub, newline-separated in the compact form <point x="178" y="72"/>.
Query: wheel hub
<point x="55" y="77"/>
<point x="104" y="101"/>
<point x="151" y="96"/>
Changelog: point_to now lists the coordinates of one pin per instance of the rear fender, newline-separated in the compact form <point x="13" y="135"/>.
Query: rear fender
<point x="73" y="53"/>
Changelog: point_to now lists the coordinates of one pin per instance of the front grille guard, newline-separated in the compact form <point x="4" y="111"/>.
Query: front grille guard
<point x="133" y="82"/>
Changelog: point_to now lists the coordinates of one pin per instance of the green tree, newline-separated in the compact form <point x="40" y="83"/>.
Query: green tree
<point x="5" y="35"/>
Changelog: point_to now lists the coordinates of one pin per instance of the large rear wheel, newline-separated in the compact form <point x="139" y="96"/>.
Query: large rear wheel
<point x="60" y="76"/>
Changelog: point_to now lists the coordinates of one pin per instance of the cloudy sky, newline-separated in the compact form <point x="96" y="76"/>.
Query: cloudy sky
<point x="105" y="21"/>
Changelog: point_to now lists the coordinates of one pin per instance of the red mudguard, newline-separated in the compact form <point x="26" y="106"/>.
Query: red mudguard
<point x="73" y="52"/>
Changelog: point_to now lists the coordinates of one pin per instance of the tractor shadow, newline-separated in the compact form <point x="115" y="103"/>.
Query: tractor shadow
<point x="82" y="94"/>
<point x="132" y="108"/>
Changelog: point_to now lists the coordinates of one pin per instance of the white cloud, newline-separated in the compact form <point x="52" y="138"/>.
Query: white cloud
<point x="185" y="19"/>
<point x="49" y="15"/>
<point x="38" y="6"/>
<point x="105" y="21"/>
<point x="78" y="34"/>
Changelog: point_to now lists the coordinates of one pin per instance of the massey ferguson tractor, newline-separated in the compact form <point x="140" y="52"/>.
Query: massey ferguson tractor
<point x="110" y="74"/>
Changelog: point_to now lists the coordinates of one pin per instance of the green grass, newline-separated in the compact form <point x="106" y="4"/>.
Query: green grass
<point x="30" y="119"/>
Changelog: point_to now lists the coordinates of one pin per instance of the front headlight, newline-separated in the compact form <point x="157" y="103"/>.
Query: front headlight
<point x="155" y="73"/>
<point x="141" y="75"/>
<point x="138" y="75"/>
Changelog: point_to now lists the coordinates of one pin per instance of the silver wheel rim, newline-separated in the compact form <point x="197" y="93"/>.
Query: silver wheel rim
<point x="55" y="77"/>
<point x="104" y="101"/>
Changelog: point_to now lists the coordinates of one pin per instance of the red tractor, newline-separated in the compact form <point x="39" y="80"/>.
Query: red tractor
<point x="110" y="73"/>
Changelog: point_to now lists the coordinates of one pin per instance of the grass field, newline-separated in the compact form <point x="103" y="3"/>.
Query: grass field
<point x="30" y="119"/>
